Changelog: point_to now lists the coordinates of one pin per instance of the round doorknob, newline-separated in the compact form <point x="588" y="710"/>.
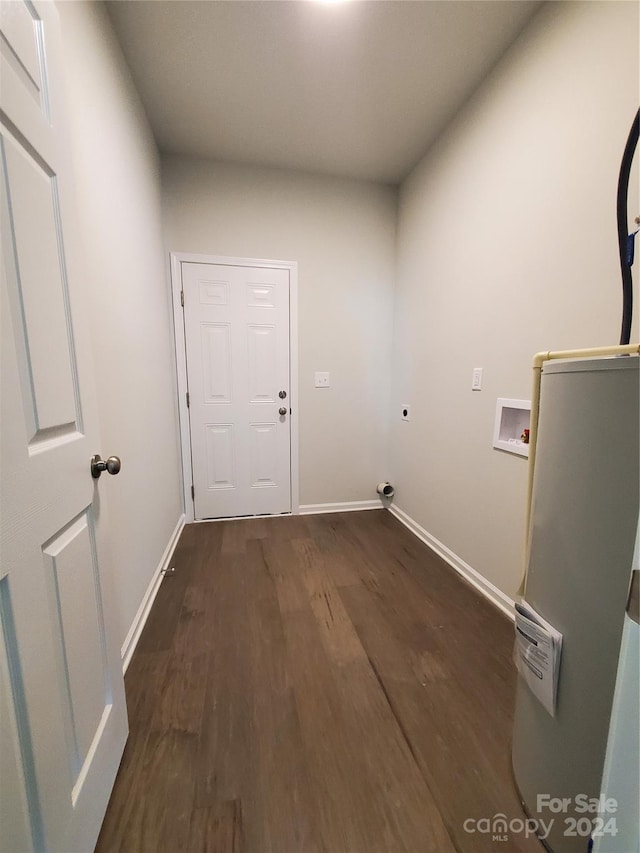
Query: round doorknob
<point x="282" y="410"/>
<point x="98" y="465"/>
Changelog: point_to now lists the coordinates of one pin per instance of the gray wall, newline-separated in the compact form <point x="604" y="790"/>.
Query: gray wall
<point x="342" y="234"/>
<point x="507" y="246"/>
<point x="117" y="172"/>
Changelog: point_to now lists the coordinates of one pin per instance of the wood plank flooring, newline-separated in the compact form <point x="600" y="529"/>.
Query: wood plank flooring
<point x="317" y="683"/>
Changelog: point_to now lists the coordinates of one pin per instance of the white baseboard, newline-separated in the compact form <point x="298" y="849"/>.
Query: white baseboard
<point x="495" y="595"/>
<point x="349" y="506"/>
<point x="133" y="636"/>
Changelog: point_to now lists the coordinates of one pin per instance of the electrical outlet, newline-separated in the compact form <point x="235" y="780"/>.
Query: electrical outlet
<point x="322" y="379"/>
<point x="476" y="382"/>
<point x="406" y="412"/>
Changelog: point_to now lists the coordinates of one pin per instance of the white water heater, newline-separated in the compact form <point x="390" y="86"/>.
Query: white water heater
<point x="584" y="525"/>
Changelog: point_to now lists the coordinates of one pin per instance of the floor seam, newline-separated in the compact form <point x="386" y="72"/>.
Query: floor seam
<point x="407" y="740"/>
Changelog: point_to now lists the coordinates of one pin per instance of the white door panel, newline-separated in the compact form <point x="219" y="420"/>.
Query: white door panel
<point x="220" y="456"/>
<point x="237" y="349"/>
<point x="216" y="359"/>
<point x="63" y="716"/>
<point x="41" y="295"/>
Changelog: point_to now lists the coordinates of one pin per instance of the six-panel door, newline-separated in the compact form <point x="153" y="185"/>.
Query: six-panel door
<point x="62" y="710"/>
<point x="237" y="347"/>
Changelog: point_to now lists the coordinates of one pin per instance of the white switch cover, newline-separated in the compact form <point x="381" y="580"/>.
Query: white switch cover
<point x="322" y="379"/>
<point x="406" y="412"/>
<point x="476" y="382"/>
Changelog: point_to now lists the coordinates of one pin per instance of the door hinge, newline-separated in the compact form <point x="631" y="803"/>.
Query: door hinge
<point x="188" y="400"/>
<point x="193" y="493"/>
<point x="182" y="298"/>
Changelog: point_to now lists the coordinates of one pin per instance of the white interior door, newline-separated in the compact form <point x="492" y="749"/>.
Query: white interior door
<point x="237" y="346"/>
<point x="62" y="711"/>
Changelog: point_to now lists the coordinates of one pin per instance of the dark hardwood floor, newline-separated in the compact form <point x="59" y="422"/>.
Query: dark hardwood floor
<point x="317" y="683"/>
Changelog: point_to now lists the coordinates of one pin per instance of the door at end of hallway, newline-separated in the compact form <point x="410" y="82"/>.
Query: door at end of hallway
<point x="237" y="348"/>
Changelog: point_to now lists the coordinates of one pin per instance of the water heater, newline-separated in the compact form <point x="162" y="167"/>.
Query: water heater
<point x="583" y="529"/>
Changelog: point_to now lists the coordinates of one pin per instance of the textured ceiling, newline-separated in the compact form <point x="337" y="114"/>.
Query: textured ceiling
<point x="358" y="89"/>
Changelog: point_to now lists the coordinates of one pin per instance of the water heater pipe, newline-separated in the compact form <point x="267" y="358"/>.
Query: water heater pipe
<point x="538" y="360"/>
<point x="623" y="230"/>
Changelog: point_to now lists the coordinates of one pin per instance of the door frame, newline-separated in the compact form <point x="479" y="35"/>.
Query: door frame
<point x="179" y="258"/>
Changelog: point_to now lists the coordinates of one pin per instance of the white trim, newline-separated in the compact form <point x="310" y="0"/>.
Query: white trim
<point x="142" y="615"/>
<point x="294" y="389"/>
<point x="349" y="506"/>
<point x="181" y="378"/>
<point x="179" y="258"/>
<point x="491" y="592"/>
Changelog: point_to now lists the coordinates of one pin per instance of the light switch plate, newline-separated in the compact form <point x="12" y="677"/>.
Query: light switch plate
<point x="322" y="379"/>
<point x="406" y="412"/>
<point x="476" y="381"/>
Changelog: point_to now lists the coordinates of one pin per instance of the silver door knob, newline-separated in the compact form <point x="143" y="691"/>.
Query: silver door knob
<point x="282" y="394"/>
<point x="282" y="410"/>
<point x="98" y="465"/>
